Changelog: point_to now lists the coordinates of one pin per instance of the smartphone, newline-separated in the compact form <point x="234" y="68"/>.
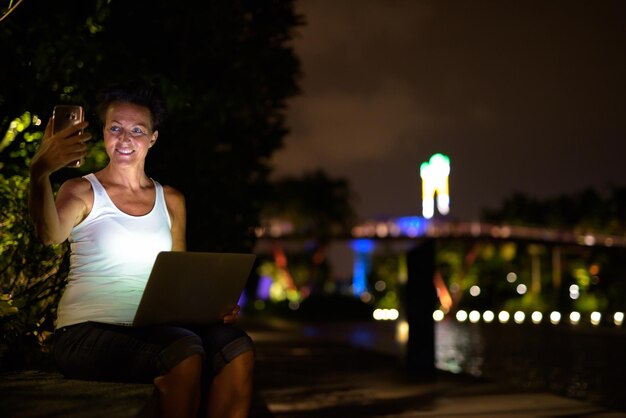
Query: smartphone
<point x="64" y="116"/>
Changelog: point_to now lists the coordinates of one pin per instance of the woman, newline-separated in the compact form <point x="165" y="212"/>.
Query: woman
<point x="117" y="220"/>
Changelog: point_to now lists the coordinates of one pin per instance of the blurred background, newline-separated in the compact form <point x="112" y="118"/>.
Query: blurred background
<point x="303" y="131"/>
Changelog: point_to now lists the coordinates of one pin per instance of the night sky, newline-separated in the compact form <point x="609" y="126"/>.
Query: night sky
<point x="523" y="96"/>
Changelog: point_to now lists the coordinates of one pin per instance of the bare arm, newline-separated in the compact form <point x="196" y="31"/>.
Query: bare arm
<point x="54" y="220"/>
<point x="175" y="202"/>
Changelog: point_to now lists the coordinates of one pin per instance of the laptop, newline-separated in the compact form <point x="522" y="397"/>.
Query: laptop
<point x="193" y="288"/>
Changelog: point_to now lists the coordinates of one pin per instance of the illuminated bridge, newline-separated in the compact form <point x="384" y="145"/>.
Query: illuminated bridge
<point x="550" y="291"/>
<point x="544" y="261"/>
<point x="411" y="227"/>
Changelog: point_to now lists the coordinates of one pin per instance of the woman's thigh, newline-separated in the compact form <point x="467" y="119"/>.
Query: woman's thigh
<point x="98" y="351"/>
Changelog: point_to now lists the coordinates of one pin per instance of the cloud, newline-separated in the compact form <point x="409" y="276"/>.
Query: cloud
<point x="354" y="27"/>
<point x="524" y="97"/>
<point x="335" y="127"/>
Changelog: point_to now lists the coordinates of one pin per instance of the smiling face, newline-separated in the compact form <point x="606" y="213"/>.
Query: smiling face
<point x="128" y="133"/>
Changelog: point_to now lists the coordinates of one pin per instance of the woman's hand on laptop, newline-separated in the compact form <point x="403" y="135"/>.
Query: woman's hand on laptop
<point x="233" y="316"/>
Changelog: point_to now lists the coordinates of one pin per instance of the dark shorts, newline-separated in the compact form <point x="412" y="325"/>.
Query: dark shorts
<point x="96" y="351"/>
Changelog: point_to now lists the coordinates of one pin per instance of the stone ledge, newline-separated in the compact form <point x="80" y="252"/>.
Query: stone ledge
<point x="33" y="394"/>
<point x="39" y="394"/>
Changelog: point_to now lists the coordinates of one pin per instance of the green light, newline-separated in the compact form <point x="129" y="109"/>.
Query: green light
<point x="434" y="174"/>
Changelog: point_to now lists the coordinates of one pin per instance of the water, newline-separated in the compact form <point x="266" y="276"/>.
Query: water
<point x="581" y="362"/>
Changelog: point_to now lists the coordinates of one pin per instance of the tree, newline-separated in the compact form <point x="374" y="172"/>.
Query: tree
<point x="225" y="68"/>
<point x="317" y="205"/>
<point x="587" y="210"/>
<point x="319" y="208"/>
<point x="597" y="271"/>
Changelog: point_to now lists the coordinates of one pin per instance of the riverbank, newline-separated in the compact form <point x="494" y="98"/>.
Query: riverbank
<point x="578" y="362"/>
<point x="312" y="370"/>
<point x="330" y="370"/>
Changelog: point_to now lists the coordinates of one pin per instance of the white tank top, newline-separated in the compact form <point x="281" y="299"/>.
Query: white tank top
<point x="112" y="254"/>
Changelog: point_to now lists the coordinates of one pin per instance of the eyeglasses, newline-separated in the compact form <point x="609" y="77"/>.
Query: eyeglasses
<point x="118" y="131"/>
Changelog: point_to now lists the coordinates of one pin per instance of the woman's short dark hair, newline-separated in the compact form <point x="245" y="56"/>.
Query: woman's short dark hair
<point x="139" y="93"/>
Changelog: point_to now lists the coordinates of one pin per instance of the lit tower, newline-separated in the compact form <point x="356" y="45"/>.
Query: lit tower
<point x="363" y="249"/>
<point x="434" y="174"/>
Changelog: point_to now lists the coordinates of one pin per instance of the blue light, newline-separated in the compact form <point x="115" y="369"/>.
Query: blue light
<point x="243" y="299"/>
<point x="412" y="225"/>
<point x="359" y="281"/>
<point x="263" y="288"/>
<point x="362" y="264"/>
<point x="363" y="245"/>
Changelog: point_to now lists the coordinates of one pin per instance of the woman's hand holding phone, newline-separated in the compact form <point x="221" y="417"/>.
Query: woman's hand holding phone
<point x="65" y="116"/>
<point x="60" y="149"/>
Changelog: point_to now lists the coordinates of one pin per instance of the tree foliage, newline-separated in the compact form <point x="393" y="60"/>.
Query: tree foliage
<point x="587" y="210"/>
<point x="316" y="204"/>
<point x="598" y="272"/>
<point x="30" y="287"/>
<point x="318" y="208"/>
<point x="226" y="69"/>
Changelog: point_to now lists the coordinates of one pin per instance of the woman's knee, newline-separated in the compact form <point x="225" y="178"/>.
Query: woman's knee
<point x="243" y="364"/>
<point x="218" y="336"/>
<point x="240" y="349"/>
<point x="235" y="378"/>
<point x="186" y="373"/>
<point x="178" y="351"/>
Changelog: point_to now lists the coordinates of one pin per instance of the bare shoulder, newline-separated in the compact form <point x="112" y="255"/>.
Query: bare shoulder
<point x="175" y="202"/>
<point x="174" y="199"/>
<point x="75" y="199"/>
<point x="173" y="194"/>
<point x="78" y="187"/>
